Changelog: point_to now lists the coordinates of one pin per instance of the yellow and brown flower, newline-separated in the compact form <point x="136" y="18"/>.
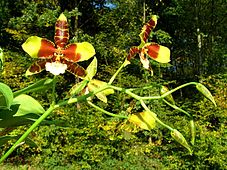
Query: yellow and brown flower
<point x="58" y="57"/>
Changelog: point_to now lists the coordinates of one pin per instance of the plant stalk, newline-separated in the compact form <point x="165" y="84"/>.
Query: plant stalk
<point x="106" y="112"/>
<point x="22" y="138"/>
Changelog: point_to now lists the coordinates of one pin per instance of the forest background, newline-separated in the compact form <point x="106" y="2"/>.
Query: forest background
<point x="195" y="32"/>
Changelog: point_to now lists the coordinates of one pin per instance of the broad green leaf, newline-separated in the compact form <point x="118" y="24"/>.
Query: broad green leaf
<point x="201" y="88"/>
<point x="7" y="119"/>
<point x="40" y="85"/>
<point x="92" y="69"/>
<point x="27" y="105"/>
<point x="180" y="139"/>
<point x="1" y="59"/>
<point x="143" y="120"/>
<point x="169" y="98"/>
<point x="6" y="96"/>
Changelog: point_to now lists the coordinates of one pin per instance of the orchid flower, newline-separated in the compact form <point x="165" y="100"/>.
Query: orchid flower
<point x="58" y="57"/>
<point x="155" y="51"/>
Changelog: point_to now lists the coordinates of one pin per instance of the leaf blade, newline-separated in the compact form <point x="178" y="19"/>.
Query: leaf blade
<point x="6" y="96"/>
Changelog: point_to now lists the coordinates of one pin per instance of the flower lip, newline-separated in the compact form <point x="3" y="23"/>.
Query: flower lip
<point x="56" y="67"/>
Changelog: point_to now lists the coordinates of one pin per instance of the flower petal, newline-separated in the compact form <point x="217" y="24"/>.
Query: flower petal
<point x="147" y="28"/>
<point x="132" y="52"/>
<point x="74" y="68"/>
<point x="61" y="36"/>
<point x="39" y="47"/>
<point x="157" y="52"/>
<point x="56" y="68"/>
<point x="79" y="52"/>
<point x="144" y="61"/>
<point x="36" y="67"/>
<point x="71" y="53"/>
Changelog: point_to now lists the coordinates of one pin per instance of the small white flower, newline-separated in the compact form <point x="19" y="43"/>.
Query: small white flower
<point x="56" y="68"/>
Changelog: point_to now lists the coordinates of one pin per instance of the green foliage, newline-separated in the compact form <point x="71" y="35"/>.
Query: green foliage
<point x="6" y="96"/>
<point x="94" y="140"/>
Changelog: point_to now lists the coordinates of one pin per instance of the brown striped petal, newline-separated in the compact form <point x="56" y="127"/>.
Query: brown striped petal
<point x="36" y="67"/>
<point x="61" y="36"/>
<point x="132" y="52"/>
<point x="147" y="28"/>
<point x="74" y="68"/>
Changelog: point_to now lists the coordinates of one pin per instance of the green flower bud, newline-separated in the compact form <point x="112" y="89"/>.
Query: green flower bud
<point x="180" y="139"/>
<point x="201" y="88"/>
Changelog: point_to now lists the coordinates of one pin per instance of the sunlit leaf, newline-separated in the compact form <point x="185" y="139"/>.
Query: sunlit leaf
<point x="143" y="120"/>
<point x="6" y="96"/>
<point x="99" y="84"/>
<point x="201" y="88"/>
<point x="101" y="96"/>
<point x="9" y="120"/>
<point x="157" y="52"/>
<point x="180" y="139"/>
<point x="169" y="98"/>
<point x="92" y="69"/>
<point x="94" y="85"/>
<point x="27" y="105"/>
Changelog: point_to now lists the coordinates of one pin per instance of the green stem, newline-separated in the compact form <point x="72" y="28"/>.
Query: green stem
<point x="39" y="85"/>
<point x="192" y="125"/>
<point x="126" y="62"/>
<point x="154" y="116"/>
<point x="127" y="91"/>
<point x="22" y="138"/>
<point x="169" y="92"/>
<point x="53" y="90"/>
<point x="177" y="108"/>
<point x="141" y="88"/>
<point x="106" y="112"/>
